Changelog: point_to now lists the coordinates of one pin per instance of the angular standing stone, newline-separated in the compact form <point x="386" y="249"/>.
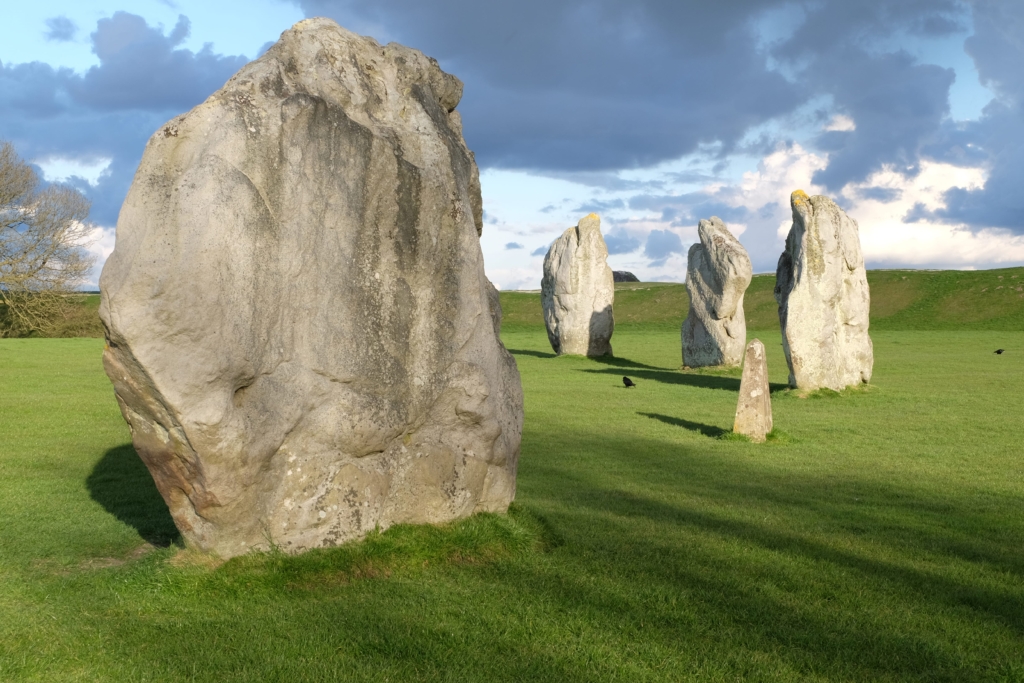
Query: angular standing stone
<point x="300" y="333"/>
<point x="717" y="275"/>
<point x="578" y="290"/>
<point x="823" y="297"/>
<point x="754" y="408"/>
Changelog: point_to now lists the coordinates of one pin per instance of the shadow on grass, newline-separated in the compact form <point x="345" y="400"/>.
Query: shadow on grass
<point x="121" y="483"/>
<point x="615" y="361"/>
<point x="702" y="381"/>
<point x="530" y="352"/>
<point x="706" y="430"/>
<point x="870" y="547"/>
<point x="620" y="362"/>
<point x="694" y="567"/>
<point x="699" y="568"/>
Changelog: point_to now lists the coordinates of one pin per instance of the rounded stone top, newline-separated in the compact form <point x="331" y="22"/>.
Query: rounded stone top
<point x="310" y="39"/>
<point x="590" y="222"/>
<point x="798" y="197"/>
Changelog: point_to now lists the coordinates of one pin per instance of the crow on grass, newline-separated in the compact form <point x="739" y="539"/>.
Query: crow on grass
<point x="628" y="382"/>
<point x="1000" y="350"/>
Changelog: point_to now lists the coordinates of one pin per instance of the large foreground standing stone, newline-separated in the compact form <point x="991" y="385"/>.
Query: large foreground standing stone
<point x="754" y="407"/>
<point x="578" y="290"/>
<point x="717" y="275"/>
<point x="823" y="297"/>
<point x="300" y="333"/>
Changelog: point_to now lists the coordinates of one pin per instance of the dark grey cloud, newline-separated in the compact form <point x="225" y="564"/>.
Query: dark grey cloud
<point x="143" y="79"/>
<point x="140" y="67"/>
<point x="897" y="103"/>
<point x="583" y="89"/>
<point x="660" y="245"/>
<point x="690" y="177"/>
<point x="688" y="208"/>
<point x="600" y="205"/>
<point x="604" y="180"/>
<point x="585" y="85"/>
<point x="882" y="194"/>
<point x="621" y="242"/>
<point x="514" y="245"/>
<point x="60" y="29"/>
<point x="998" y="136"/>
<point x="540" y="251"/>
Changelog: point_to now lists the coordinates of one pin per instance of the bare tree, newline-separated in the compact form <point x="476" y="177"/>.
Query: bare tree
<point x="42" y="260"/>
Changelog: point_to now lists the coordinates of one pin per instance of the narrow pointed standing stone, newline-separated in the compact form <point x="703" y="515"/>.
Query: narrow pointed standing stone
<point x="754" y="408"/>
<point x="578" y="291"/>
<point x="823" y="297"/>
<point x="717" y="275"/>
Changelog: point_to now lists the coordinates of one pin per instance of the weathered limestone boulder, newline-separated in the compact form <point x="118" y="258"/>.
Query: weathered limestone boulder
<point x="754" y="407"/>
<point x="299" y="330"/>
<point x="717" y="275"/>
<point x="578" y="290"/>
<point x="823" y="297"/>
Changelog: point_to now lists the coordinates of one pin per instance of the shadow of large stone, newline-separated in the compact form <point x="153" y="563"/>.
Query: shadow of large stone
<point x="121" y="483"/>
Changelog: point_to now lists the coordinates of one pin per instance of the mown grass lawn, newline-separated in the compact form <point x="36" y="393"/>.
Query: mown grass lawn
<point x="881" y="537"/>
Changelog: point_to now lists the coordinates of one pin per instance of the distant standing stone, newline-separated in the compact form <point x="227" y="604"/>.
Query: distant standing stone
<point x="717" y="276"/>
<point x="578" y="291"/>
<point x="624" y="276"/>
<point x="823" y="297"/>
<point x="754" y="408"/>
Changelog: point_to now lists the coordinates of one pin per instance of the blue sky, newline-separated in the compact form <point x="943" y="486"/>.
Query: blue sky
<point x="653" y="113"/>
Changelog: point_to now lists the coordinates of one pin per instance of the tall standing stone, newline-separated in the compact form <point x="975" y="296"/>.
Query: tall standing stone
<point x="578" y="290"/>
<point x="823" y="297"/>
<point x="717" y="275"/>
<point x="754" y="407"/>
<point x="299" y="330"/>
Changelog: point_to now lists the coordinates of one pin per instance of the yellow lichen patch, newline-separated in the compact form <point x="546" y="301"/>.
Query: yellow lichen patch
<point x="798" y="197"/>
<point x="593" y="215"/>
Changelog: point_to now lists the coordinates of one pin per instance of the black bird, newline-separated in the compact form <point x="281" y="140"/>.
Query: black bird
<point x="999" y="350"/>
<point x="628" y="382"/>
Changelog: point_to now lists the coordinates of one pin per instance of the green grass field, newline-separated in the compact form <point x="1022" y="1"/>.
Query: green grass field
<point x="879" y="537"/>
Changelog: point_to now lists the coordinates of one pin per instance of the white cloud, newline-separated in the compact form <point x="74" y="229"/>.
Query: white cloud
<point x="61" y="169"/>
<point x="842" y="123"/>
<point x="100" y="245"/>
<point x="776" y="177"/>
<point x="513" y="278"/>
<point x="886" y="239"/>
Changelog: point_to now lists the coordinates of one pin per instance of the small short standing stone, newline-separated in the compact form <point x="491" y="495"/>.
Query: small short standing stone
<point x="754" y="409"/>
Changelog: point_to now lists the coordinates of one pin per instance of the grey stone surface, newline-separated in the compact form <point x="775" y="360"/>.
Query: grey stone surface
<point x="754" y="407"/>
<point x="578" y="291"/>
<point x="624" y="276"/>
<point x="300" y="333"/>
<point x="823" y="297"/>
<point x="717" y="276"/>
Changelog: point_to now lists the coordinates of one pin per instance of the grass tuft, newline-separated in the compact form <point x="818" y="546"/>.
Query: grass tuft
<point x="403" y="550"/>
